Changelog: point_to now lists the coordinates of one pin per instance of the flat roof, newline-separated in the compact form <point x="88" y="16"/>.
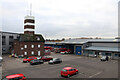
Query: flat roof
<point x="82" y="41"/>
<point x="9" y="32"/>
<point x="51" y="43"/>
<point x="98" y="48"/>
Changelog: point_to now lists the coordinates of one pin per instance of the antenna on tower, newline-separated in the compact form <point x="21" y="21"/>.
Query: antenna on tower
<point x="30" y="9"/>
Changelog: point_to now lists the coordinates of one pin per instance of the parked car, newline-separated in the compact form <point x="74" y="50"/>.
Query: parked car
<point x="48" y="48"/>
<point x="92" y="55"/>
<point x="68" y="71"/>
<point x="29" y="59"/>
<point x="104" y="58"/>
<point x="15" y="77"/>
<point x="38" y="57"/>
<point x="65" y="51"/>
<point x="55" y="60"/>
<point x="36" y="61"/>
<point x="46" y="58"/>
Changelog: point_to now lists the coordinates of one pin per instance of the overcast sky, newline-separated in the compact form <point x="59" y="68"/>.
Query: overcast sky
<point x="63" y="18"/>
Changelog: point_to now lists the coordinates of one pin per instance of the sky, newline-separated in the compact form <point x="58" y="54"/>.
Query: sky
<point x="57" y="19"/>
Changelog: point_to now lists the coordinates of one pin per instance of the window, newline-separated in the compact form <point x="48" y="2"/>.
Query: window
<point x="38" y="38"/>
<point x="64" y="70"/>
<point x="3" y="49"/>
<point x="3" y="40"/>
<point x="38" y="53"/>
<point x="25" y="46"/>
<point x="25" y="53"/>
<point x="116" y="55"/>
<point x="32" y="46"/>
<point x="71" y="70"/>
<point x="3" y="37"/>
<point x="10" y="43"/>
<point x="38" y="46"/>
<point x="32" y="52"/>
<point x="11" y="37"/>
<point x="21" y="48"/>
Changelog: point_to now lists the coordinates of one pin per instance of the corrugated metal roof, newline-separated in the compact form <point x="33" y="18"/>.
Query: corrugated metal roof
<point x="113" y="49"/>
<point x="82" y="41"/>
<point x="51" y="42"/>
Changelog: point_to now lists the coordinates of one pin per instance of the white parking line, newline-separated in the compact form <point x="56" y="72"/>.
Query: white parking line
<point x="115" y="62"/>
<point x="95" y="74"/>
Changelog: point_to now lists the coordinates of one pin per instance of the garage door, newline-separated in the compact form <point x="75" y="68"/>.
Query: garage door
<point x="78" y="50"/>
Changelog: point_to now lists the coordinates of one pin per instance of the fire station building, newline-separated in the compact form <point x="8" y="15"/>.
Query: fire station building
<point x="29" y="43"/>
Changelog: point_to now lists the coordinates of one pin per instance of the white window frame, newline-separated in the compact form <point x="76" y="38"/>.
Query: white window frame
<point x="21" y="48"/>
<point x="39" y="46"/>
<point x="39" y="53"/>
<point x="32" y="46"/>
<point x="25" y="53"/>
<point x="32" y="52"/>
<point x="25" y="46"/>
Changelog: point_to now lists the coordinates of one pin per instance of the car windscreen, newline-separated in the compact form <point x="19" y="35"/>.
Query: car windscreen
<point x="64" y="70"/>
<point x="54" y="59"/>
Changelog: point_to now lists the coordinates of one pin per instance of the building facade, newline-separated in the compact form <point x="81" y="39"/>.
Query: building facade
<point x="29" y="43"/>
<point x="29" y="48"/>
<point x="91" y="47"/>
<point x="7" y="41"/>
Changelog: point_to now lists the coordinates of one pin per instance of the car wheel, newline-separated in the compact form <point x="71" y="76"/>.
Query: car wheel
<point x="68" y="76"/>
<point x="76" y="72"/>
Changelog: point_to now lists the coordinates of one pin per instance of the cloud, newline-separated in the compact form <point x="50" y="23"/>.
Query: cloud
<point x="63" y="18"/>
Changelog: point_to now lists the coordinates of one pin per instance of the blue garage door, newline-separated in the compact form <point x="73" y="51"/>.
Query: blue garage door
<point x="78" y="50"/>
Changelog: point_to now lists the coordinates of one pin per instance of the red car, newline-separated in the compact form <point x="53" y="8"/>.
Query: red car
<point x="48" y="48"/>
<point x="46" y="58"/>
<point x="68" y="71"/>
<point x="29" y="59"/>
<point x="65" y="51"/>
<point x="15" y="77"/>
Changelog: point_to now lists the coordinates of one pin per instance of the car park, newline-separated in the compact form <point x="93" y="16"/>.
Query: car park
<point x="68" y="71"/>
<point x="15" y="77"/>
<point x="36" y="61"/>
<point x="55" y="60"/>
<point x="46" y="58"/>
<point x="29" y="59"/>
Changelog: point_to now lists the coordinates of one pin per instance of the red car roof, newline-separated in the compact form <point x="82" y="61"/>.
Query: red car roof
<point x="67" y="68"/>
<point x="14" y="76"/>
<point x="31" y="56"/>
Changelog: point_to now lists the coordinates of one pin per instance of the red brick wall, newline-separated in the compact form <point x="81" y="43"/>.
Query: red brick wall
<point x="29" y="49"/>
<point x="29" y="26"/>
<point x="29" y="20"/>
<point x="28" y="32"/>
